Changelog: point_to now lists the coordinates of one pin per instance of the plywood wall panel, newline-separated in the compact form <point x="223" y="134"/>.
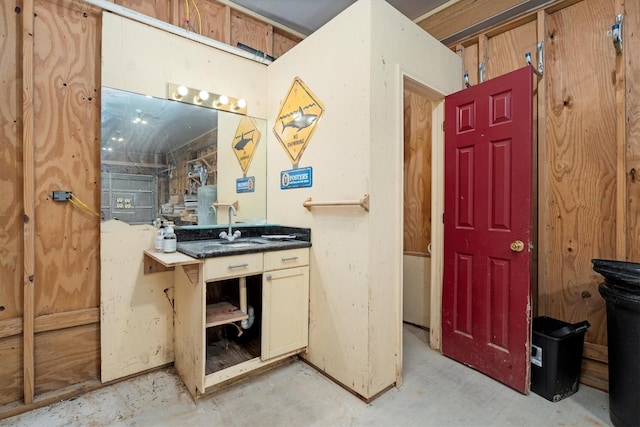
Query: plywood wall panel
<point x="417" y="173"/>
<point x="67" y="154"/>
<point x="632" y="47"/>
<point x="581" y="161"/>
<point x="67" y="356"/>
<point x="507" y="50"/>
<point x="10" y="369"/>
<point x="209" y="18"/>
<point x="11" y="239"/>
<point x="470" y="62"/>
<point x="282" y="43"/>
<point x="251" y="32"/>
<point x="159" y="9"/>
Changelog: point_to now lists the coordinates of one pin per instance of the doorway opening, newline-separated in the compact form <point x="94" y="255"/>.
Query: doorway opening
<point x="423" y="199"/>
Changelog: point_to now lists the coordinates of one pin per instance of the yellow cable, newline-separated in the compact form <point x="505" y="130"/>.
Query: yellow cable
<point x="77" y="200"/>
<point x="79" y="206"/>
<point x="82" y="208"/>
<point x="199" y="17"/>
<point x="74" y="200"/>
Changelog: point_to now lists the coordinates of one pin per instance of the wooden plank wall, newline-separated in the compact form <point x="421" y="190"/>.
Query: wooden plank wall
<point x="11" y="177"/>
<point x="581" y="147"/>
<point x="632" y="117"/>
<point x="50" y="127"/>
<point x="579" y="214"/>
<point x="66" y="157"/>
<point x="219" y="22"/>
<point x="417" y="173"/>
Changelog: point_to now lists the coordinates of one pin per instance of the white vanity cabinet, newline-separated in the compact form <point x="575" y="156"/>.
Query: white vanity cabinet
<point x="285" y="302"/>
<point x="283" y="329"/>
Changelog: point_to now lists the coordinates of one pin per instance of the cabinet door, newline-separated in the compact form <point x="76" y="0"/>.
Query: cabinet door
<point x="189" y="335"/>
<point x="285" y="311"/>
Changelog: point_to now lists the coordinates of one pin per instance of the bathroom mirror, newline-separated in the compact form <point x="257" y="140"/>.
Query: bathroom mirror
<point x="168" y="159"/>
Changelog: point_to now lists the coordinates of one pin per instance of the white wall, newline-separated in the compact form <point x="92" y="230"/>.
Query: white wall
<point x="356" y="72"/>
<point x="143" y="59"/>
<point x="398" y="47"/>
<point x="416" y="290"/>
<point x="136" y="318"/>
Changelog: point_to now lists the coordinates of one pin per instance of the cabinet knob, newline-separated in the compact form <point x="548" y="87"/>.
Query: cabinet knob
<point x="268" y="277"/>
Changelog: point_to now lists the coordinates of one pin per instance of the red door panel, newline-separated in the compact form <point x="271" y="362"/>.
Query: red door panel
<point x="488" y="206"/>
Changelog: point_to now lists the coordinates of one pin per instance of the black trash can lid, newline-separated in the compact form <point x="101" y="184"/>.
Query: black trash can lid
<point x="555" y="328"/>
<point x="619" y="274"/>
<point x="570" y="329"/>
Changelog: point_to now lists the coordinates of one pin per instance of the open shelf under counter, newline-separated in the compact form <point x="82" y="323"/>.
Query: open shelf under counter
<point x="222" y="313"/>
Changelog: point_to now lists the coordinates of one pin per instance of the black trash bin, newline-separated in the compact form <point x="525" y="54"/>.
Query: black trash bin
<point x="556" y="357"/>
<point x="621" y="291"/>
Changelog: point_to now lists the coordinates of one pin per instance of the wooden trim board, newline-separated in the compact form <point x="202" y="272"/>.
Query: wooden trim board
<point x="29" y="198"/>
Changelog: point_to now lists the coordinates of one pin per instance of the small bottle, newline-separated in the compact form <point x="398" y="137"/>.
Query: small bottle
<point x="159" y="245"/>
<point x="170" y="239"/>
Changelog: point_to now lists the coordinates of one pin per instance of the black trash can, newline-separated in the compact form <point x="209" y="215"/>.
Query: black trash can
<point x="556" y="357"/>
<point x="621" y="291"/>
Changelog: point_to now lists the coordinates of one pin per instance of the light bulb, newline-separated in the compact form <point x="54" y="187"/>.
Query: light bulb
<point x="223" y="100"/>
<point x="241" y="104"/>
<point x="182" y="90"/>
<point x="203" y="95"/>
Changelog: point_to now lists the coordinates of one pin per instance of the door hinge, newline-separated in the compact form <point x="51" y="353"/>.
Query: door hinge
<point x="443" y="218"/>
<point x="443" y="126"/>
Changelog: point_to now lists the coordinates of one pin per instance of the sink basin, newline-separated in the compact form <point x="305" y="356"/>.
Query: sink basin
<point x="222" y="247"/>
<point x="239" y="244"/>
<point x="246" y="241"/>
<point x="211" y="247"/>
<point x="242" y="242"/>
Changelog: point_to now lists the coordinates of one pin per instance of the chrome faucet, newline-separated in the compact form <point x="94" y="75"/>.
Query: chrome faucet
<point x="230" y="235"/>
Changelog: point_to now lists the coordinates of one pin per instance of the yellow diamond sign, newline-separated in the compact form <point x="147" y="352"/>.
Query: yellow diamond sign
<point x="297" y="119"/>
<point x="245" y="142"/>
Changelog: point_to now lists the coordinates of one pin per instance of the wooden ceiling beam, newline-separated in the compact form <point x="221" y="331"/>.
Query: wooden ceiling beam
<point x="463" y="14"/>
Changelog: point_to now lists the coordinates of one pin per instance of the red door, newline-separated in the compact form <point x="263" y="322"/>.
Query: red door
<point x="488" y="228"/>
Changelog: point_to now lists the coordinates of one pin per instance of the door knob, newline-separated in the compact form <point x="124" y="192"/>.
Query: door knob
<point x="517" y="246"/>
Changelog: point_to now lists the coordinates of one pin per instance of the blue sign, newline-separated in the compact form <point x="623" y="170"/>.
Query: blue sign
<point x="246" y="184"/>
<point x="296" y="178"/>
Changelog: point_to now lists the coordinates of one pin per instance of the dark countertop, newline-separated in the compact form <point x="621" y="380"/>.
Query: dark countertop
<point x="219" y="248"/>
<point x="203" y="242"/>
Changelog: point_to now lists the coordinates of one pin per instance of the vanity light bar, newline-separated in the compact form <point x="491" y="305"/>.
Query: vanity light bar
<point x="189" y="95"/>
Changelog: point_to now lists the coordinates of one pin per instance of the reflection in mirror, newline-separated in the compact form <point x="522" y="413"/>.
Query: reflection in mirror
<point x="162" y="158"/>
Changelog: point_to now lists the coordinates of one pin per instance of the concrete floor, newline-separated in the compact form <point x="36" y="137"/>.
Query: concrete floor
<point x="436" y="392"/>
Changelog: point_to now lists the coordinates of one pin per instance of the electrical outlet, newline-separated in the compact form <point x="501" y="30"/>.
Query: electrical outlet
<point x="61" y="196"/>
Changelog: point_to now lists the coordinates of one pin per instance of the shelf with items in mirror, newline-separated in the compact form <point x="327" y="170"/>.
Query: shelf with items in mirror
<point x="201" y="171"/>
